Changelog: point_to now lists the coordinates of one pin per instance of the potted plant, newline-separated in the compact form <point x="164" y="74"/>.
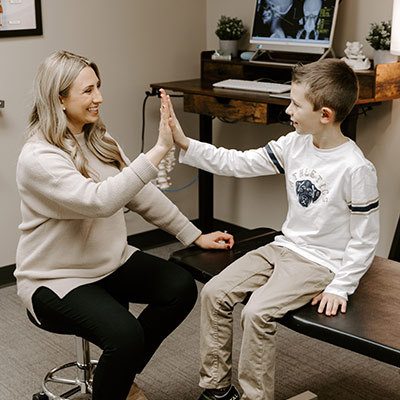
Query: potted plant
<point x="229" y="31"/>
<point x="379" y="39"/>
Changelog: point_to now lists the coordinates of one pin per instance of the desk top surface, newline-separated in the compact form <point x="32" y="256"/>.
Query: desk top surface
<point x="205" y="88"/>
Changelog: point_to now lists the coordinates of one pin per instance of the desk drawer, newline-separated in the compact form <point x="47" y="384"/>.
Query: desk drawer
<point x="387" y="83"/>
<point x="222" y="107"/>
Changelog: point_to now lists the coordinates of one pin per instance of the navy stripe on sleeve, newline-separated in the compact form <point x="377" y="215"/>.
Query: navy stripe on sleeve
<point x="364" y="209"/>
<point x="274" y="159"/>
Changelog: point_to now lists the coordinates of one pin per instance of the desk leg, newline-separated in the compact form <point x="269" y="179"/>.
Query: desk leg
<point x="349" y="125"/>
<point x="395" y="249"/>
<point x="206" y="181"/>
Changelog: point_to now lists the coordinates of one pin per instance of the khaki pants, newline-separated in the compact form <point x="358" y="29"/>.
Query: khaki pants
<point x="280" y="280"/>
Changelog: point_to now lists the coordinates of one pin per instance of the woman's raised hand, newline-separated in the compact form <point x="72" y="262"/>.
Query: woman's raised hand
<point x="164" y="132"/>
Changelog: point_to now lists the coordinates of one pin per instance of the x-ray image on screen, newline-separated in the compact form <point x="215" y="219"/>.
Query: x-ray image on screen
<point x="307" y="21"/>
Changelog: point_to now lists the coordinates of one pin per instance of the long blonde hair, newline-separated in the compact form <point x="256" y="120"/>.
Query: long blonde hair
<point x="54" y="79"/>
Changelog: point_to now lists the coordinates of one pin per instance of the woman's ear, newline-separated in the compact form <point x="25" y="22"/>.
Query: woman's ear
<point x="62" y="103"/>
<point x="327" y="115"/>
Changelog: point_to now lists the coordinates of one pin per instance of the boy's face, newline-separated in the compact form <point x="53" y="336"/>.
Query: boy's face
<point x="304" y="119"/>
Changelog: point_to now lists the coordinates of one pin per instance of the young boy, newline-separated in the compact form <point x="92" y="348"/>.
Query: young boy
<point x="329" y="235"/>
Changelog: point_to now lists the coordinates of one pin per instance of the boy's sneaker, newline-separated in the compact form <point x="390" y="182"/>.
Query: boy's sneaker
<point x="231" y="394"/>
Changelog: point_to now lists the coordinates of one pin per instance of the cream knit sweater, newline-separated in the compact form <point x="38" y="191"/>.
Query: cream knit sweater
<point x="73" y="228"/>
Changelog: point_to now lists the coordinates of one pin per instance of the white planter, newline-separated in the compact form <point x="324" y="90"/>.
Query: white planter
<point x="229" y="46"/>
<point x="384" y="57"/>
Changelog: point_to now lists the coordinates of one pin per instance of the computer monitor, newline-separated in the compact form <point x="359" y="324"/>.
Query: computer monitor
<point x="299" y="26"/>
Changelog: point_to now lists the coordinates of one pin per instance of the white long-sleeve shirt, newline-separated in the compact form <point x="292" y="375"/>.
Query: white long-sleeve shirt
<point x="332" y="194"/>
<point x="73" y="229"/>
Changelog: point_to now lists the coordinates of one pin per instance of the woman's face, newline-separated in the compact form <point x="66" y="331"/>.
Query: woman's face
<point x="83" y="100"/>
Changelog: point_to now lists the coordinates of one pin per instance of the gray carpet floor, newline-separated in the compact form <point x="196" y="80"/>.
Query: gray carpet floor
<point x="27" y="353"/>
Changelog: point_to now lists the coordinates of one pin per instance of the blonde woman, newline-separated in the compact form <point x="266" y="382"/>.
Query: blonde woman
<point x="75" y="271"/>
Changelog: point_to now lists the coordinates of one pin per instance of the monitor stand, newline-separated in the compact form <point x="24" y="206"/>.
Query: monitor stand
<point x="285" y="58"/>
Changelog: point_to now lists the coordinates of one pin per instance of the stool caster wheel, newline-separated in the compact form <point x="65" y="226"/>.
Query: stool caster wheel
<point x="40" y="396"/>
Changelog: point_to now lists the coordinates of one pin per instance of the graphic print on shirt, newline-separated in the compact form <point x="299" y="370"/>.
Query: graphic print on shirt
<point x="309" y="186"/>
<point x="308" y="183"/>
<point x="307" y="192"/>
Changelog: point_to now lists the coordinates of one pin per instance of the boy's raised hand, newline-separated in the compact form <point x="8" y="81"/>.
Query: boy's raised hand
<point x="165" y="138"/>
<point x="330" y="303"/>
<point x="179" y="137"/>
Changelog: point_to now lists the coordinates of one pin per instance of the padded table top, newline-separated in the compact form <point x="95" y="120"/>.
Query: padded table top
<point x="371" y="325"/>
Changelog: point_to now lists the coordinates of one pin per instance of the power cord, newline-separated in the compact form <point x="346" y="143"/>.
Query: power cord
<point x="269" y="80"/>
<point x="154" y="92"/>
<point x="183" y="187"/>
<point x="227" y="120"/>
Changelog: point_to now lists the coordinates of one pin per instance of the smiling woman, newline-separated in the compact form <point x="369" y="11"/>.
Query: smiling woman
<point x="66" y="104"/>
<point x="75" y="272"/>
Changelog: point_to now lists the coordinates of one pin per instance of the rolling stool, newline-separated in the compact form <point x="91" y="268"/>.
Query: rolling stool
<point x="84" y="370"/>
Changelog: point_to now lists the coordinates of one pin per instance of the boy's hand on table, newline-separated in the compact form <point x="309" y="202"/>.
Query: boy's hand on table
<point x="215" y="240"/>
<point x="330" y="303"/>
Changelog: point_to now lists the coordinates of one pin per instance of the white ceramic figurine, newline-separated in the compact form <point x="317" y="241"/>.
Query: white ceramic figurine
<point x="355" y="57"/>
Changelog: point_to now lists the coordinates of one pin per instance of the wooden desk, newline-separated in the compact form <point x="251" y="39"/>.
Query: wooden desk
<point x="199" y="96"/>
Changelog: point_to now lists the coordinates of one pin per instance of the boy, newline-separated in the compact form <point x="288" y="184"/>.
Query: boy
<point x="329" y="235"/>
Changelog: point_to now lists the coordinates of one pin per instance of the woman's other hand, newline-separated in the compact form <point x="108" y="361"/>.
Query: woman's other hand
<point x="215" y="240"/>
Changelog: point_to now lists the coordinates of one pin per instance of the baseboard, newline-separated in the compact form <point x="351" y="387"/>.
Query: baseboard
<point x="7" y="275"/>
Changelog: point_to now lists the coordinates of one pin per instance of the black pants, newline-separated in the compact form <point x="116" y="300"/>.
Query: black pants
<point x="99" y="313"/>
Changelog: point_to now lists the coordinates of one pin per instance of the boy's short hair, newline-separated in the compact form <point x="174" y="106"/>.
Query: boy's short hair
<point x="329" y="83"/>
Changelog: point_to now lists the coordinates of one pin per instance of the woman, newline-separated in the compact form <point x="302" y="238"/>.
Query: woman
<point x="75" y="271"/>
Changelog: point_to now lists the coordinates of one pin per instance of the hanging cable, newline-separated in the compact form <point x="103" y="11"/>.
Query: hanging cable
<point x="183" y="187"/>
<point x="154" y="92"/>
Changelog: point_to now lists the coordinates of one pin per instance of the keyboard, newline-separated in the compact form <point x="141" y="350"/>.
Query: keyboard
<point x="254" y="86"/>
